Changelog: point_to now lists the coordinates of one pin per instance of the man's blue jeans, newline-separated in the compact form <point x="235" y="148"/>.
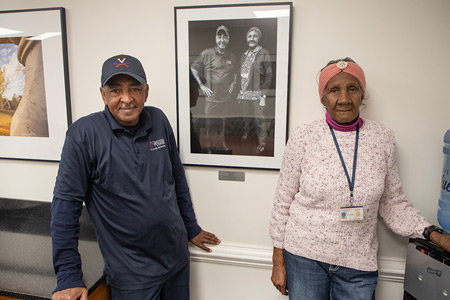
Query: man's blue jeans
<point x="314" y="280"/>
<point x="175" y="288"/>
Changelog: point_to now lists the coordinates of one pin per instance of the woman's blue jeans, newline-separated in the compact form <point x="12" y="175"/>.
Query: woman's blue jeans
<point x="314" y="280"/>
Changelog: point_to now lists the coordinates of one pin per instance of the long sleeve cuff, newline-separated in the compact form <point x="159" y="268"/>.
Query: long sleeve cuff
<point x="193" y="231"/>
<point x="69" y="281"/>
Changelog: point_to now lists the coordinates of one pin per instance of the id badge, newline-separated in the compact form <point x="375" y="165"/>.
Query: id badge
<point x="351" y="213"/>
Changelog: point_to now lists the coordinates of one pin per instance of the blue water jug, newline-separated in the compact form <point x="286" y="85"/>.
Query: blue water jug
<point x="443" y="214"/>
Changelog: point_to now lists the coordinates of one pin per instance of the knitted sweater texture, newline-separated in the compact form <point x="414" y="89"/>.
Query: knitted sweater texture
<point x="312" y="188"/>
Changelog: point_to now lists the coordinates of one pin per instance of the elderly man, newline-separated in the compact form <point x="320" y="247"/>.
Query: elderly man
<point x="214" y="70"/>
<point x="123" y="164"/>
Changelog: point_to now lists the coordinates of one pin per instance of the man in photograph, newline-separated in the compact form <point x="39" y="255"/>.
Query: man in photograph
<point x="123" y="164"/>
<point x="215" y="72"/>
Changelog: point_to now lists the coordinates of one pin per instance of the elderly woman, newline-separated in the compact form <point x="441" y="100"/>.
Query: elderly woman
<point x="256" y="77"/>
<point x="338" y="174"/>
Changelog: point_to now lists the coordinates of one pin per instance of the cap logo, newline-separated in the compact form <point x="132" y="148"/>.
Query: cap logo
<point x="122" y="63"/>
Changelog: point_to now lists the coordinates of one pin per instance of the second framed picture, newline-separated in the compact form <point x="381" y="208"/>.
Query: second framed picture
<point x="34" y="84"/>
<point x="233" y="84"/>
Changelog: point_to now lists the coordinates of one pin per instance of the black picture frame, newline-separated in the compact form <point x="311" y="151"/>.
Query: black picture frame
<point x="226" y="128"/>
<point x="41" y="115"/>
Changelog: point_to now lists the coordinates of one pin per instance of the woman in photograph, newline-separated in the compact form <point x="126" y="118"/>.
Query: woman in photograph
<point x="256" y="77"/>
<point x="338" y="174"/>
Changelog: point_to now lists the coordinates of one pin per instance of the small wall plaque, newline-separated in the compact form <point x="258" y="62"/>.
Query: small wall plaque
<point x="231" y="176"/>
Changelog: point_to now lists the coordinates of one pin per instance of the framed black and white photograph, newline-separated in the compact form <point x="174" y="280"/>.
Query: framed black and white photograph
<point x="232" y="66"/>
<point x="34" y="84"/>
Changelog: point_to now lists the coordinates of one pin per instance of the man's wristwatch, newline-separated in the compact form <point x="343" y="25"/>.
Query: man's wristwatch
<point x="428" y="230"/>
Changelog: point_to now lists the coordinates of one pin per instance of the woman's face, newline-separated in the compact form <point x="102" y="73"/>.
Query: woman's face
<point x="253" y="38"/>
<point x="342" y="98"/>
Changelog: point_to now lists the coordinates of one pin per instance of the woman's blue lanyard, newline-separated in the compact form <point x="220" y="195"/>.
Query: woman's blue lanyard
<point x="351" y="183"/>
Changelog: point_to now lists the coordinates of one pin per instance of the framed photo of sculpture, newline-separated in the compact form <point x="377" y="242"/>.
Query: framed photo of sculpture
<point x="232" y="67"/>
<point x="34" y="84"/>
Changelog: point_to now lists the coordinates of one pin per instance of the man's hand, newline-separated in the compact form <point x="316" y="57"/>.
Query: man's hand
<point x="203" y="238"/>
<point x="206" y="91"/>
<point x="230" y="90"/>
<point x="76" y="293"/>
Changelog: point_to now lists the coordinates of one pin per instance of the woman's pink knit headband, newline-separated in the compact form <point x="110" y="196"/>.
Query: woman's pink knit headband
<point x="341" y="66"/>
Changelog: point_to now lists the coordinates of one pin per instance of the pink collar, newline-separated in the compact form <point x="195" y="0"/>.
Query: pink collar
<point x="346" y="128"/>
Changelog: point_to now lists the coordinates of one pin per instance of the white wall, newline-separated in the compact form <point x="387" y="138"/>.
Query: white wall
<point x="402" y="45"/>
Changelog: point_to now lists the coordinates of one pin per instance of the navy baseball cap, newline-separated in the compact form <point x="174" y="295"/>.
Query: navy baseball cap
<point x="123" y="64"/>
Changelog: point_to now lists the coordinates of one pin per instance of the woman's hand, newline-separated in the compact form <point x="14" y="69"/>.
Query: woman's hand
<point x="206" y="91"/>
<point x="441" y="240"/>
<point x="279" y="271"/>
<point x="262" y="102"/>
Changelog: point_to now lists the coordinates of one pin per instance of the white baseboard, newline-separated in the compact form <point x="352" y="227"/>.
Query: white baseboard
<point x="389" y="269"/>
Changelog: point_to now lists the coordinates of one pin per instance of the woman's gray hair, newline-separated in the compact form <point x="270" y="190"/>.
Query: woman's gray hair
<point x="257" y="31"/>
